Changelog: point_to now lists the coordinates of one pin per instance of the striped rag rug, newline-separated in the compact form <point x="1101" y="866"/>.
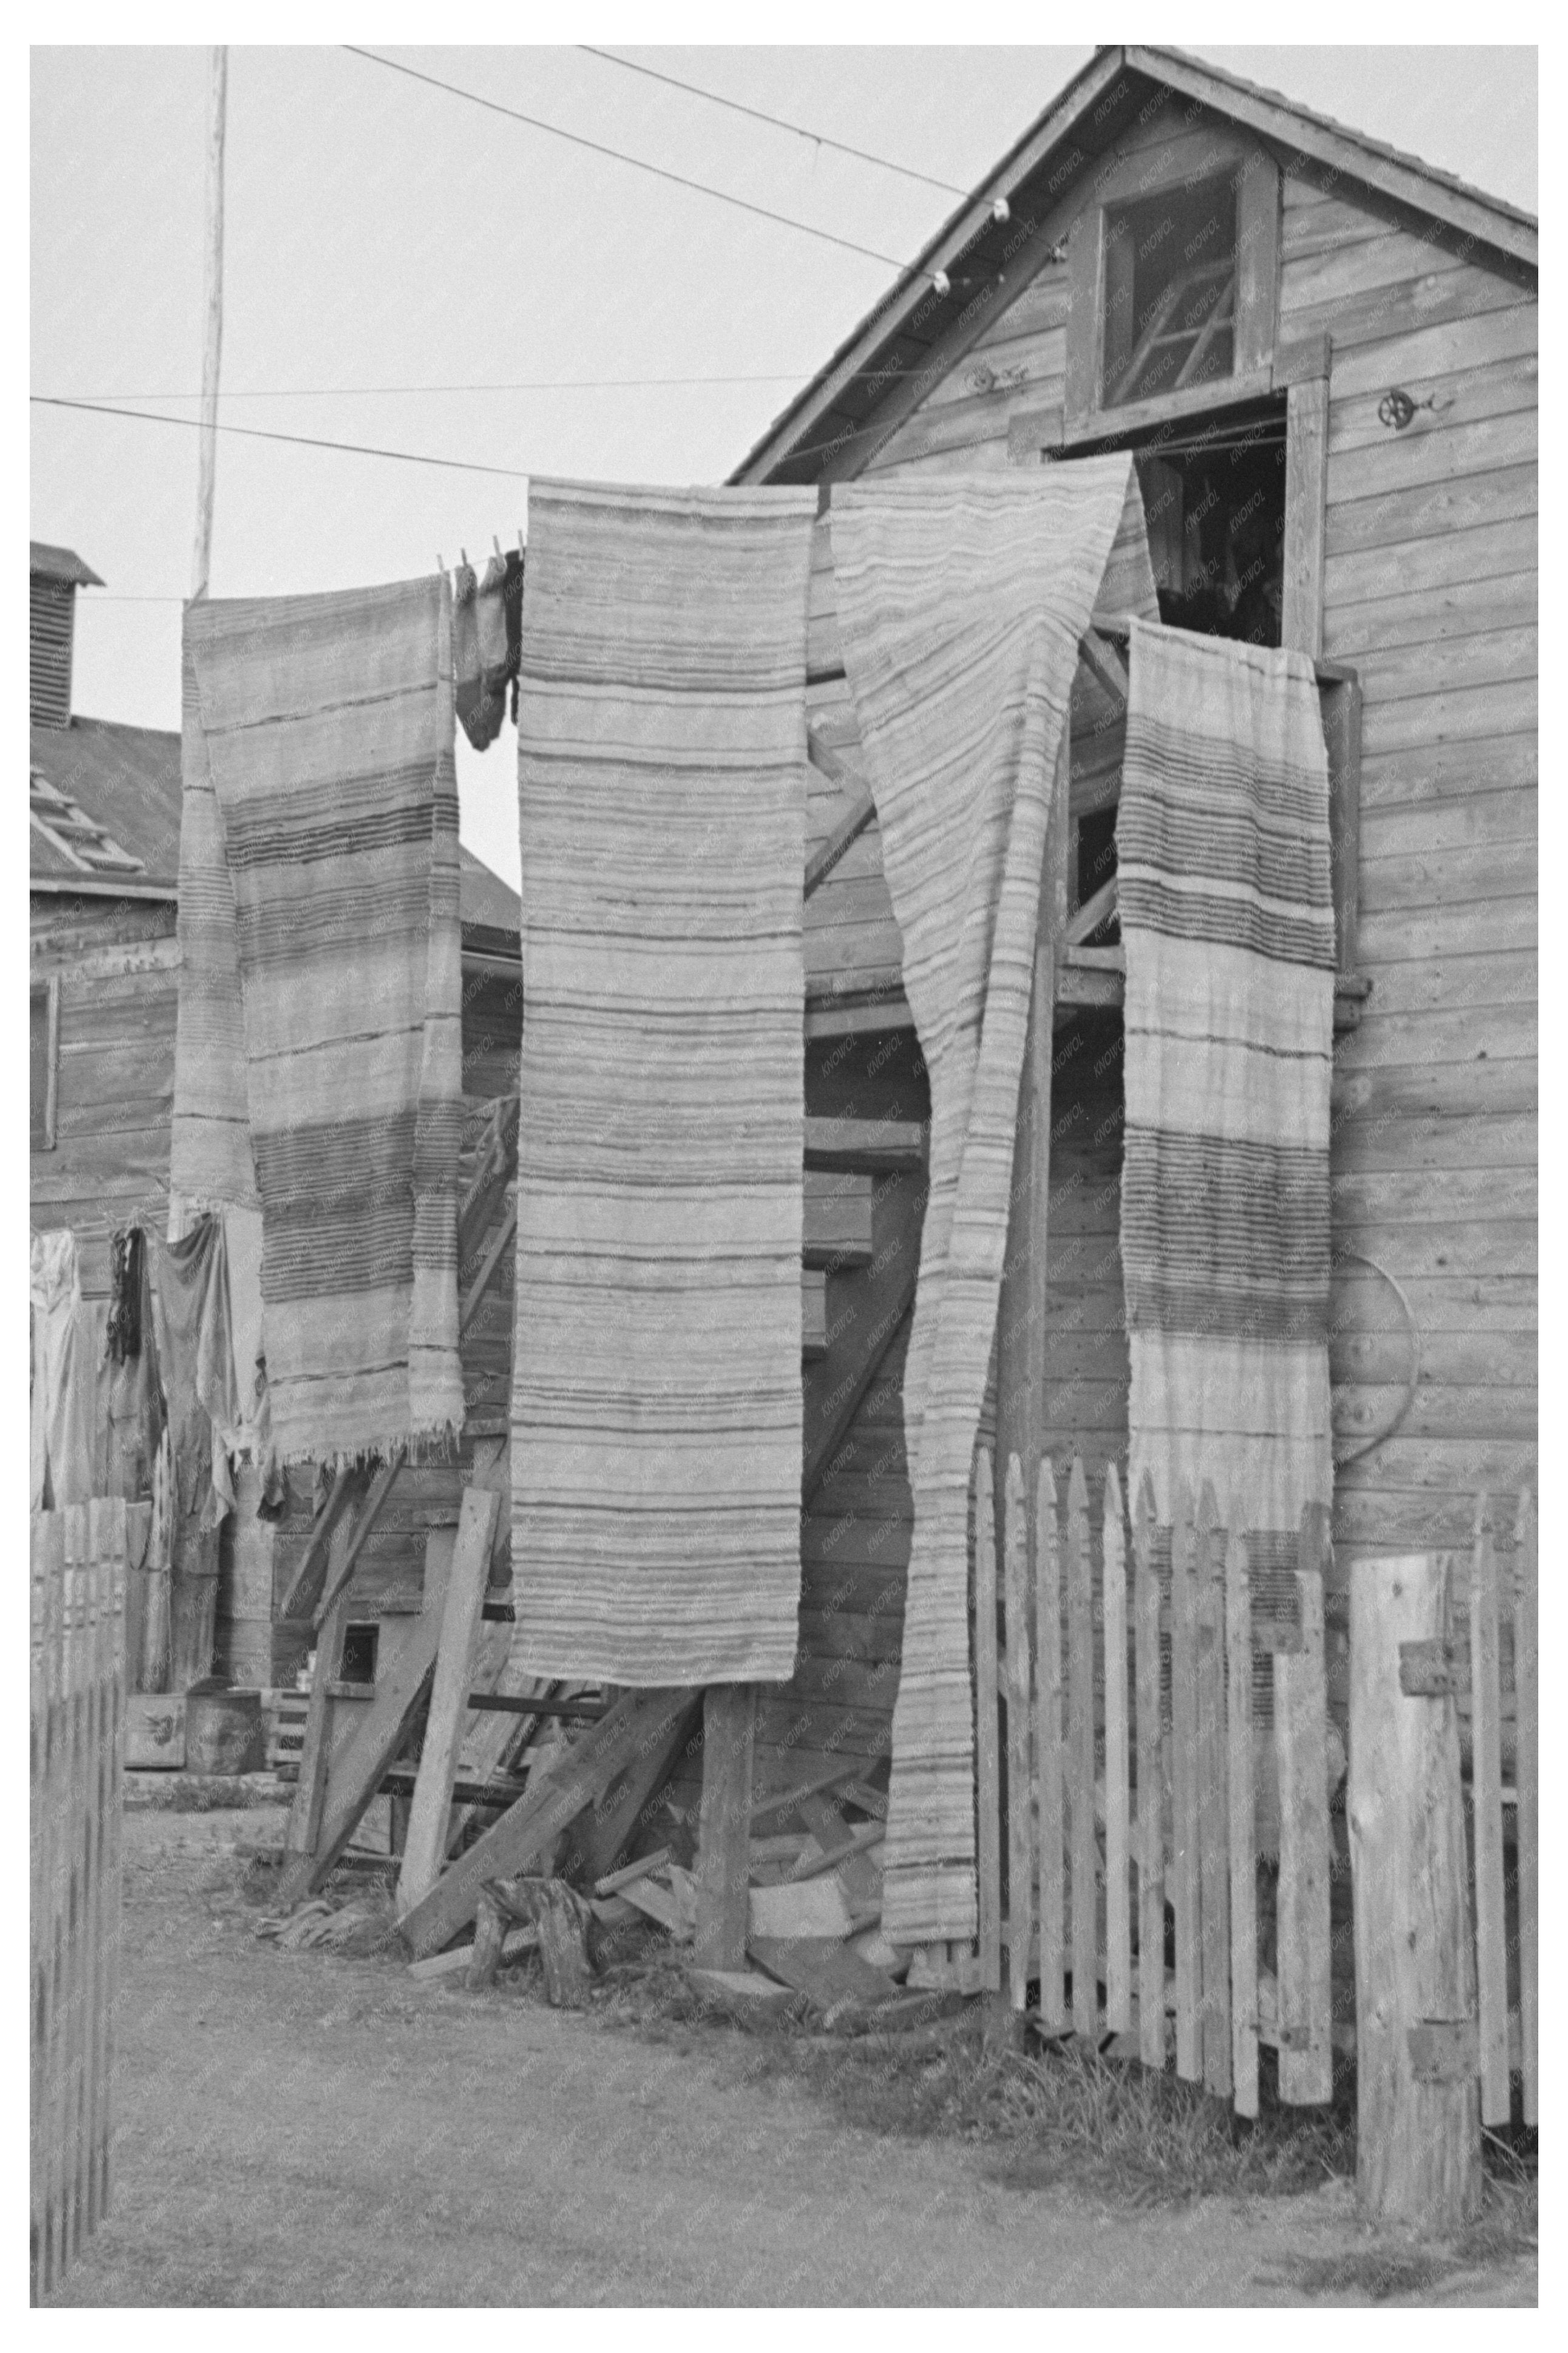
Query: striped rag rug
<point x="656" y="1447"/>
<point x="961" y="605"/>
<point x="318" y="1048"/>
<point x="1227" y="922"/>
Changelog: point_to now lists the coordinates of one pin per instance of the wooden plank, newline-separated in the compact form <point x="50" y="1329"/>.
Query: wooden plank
<point x="1080" y="1759"/>
<point x="1342" y="710"/>
<point x="1184" y="1788"/>
<point x="724" y="1851"/>
<point x="1306" y="484"/>
<point x="425" y="1848"/>
<point x="305" y="1584"/>
<point x="1491" y="1933"/>
<point x="604" y="1829"/>
<point x="1020" y="1825"/>
<point x="1527" y="1706"/>
<point x="857" y="814"/>
<point x="857" y="1348"/>
<point x="1118" y="1850"/>
<point x="1300" y="1719"/>
<point x="987" y="1759"/>
<point x="1214" y="1799"/>
<point x="553" y="1800"/>
<point x="1243" y="1817"/>
<point x="1049" y="1749"/>
<point x="310" y="1787"/>
<point x="865" y="1145"/>
<point x="1419" y="2141"/>
<point x="1150" y="1784"/>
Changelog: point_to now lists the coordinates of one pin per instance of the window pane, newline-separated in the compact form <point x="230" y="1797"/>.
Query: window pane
<point x="1170" y="292"/>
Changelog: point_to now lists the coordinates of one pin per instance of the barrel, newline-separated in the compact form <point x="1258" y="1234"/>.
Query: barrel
<point x="224" y="1732"/>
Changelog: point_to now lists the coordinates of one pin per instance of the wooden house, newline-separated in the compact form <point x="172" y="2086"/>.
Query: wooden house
<point x="104" y="808"/>
<point x="1323" y="354"/>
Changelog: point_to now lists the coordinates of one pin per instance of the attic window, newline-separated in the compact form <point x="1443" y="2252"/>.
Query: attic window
<point x="1170" y="292"/>
<point x="72" y="834"/>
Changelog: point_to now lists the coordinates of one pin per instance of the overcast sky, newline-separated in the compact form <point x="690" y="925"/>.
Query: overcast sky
<point x="384" y="236"/>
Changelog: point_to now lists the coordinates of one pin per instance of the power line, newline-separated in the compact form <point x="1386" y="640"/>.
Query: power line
<point x="259" y="432"/>
<point x="818" y="138"/>
<point x="534" y="383"/>
<point x="617" y="155"/>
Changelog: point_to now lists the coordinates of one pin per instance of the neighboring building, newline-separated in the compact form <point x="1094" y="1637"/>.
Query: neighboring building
<point x="1325" y="355"/>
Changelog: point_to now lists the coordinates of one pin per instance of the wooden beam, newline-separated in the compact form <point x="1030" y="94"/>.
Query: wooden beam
<point x="1094" y="911"/>
<point x="1306" y="509"/>
<point x="577" y="1777"/>
<point x="724" y="1825"/>
<point x="849" y="1145"/>
<point x="845" y="832"/>
<point x="1102" y="659"/>
<point x="603" y="1830"/>
<point x="1300" y="1722"/>
<point x="425" y="1848"/>
<point x="300" y="1598"/>
<point x="310" y="1787"/>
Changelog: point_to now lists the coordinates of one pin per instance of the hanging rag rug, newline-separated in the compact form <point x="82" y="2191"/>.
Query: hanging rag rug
<point x="655" y="1450"/>
<point x="195" y="1356"/>
<point x="320" y="792"/>
<point x="961" y="605"/>
<point x="1227" y="923"/>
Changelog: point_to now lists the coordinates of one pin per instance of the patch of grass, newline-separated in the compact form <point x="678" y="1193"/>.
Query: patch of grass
<point x="1505" y="2234"/>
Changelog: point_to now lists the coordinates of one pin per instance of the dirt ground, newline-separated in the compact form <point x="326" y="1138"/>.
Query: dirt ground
<point x="303" y="2128"/>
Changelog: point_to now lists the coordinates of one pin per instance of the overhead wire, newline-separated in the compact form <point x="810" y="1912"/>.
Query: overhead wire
<point x="757" y="115"/>
<point x="261" y="433"/>
<point x="532" y="383"/>
<point x="619" y="155"/>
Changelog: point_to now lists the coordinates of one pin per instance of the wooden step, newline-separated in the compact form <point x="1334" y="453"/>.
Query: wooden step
<point x="813" y="1315"/>
<point x="837" y="1219"/>
<point x="865" y="1143"/>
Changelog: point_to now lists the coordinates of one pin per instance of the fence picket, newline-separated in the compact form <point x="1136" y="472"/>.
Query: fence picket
<point x="1150" y="1786"/>
<point x="1527" y="1729"/>
<point x="1118" y="1912"/>
<point x="1020" y="1845"/>
<point x="1486" y="1788"/>
<point x="987" y="1757"/>
<point x="1080" y="1761"/>
<point x="1214" y="1871"/>
<point x="1184" y="1787"/>
<point x="1048" y="1747"/>
<point x="1242" y="1864"/>
<point x="1300" y="1721"/>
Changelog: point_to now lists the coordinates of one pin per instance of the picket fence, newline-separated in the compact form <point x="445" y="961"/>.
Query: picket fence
<point x="1156" y="1758"/>
<point x="78" y="1707"/>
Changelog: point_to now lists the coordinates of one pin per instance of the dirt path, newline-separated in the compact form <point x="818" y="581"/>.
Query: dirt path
<point x="303" y="2128"/>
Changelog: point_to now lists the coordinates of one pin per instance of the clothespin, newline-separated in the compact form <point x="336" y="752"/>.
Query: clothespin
<point x="441" y="565"/>
<point x="464" y="554"/>
<point x="496" y="544"/>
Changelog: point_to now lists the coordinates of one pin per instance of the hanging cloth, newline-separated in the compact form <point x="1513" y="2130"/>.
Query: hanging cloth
<point x="1227" y="923"/>
<point x="64" y="1377"/>
<point x="657" y="1407"/>
<point x="961" y="605"/>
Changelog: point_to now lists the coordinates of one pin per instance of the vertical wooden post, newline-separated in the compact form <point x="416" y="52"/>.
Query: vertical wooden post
<point x="1306" y="489"/>
<point x="1214" y="1813"/>
<point x="1080" y="1761"/>
<point x="1486" y="1792"/>
<point x="315" y="1748"/>
<point x="1020" y="1843"/>
<point x="1301" y="1730"/>
<point x="1527" y="1723"/>
<point x="1118" y="1894"/>
<point x="1048" y="1746"/>
<point x="1243" y="1828"/>
<point x="1150" y="1786"/>
<point x="1021" y="1314"/>
<point x="1185" y="1786"/>
<point x="724" y="1825"/>
<point x="212" y="342"/>
<point x="987" y="1756"/>
<point x="1418" y="2140"/>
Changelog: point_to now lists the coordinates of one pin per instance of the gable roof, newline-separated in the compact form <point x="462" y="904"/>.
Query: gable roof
<point x="60" y="563"/>
<point x="1003" y="230"/>
<point x="124" y="782"/>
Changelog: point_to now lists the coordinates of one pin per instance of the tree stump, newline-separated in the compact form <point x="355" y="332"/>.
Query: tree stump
<point x="561" y="1919"/>
<point x="1418" y="2133"/>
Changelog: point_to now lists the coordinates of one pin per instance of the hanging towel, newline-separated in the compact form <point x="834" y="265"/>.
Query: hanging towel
<point x="961" y="605"/>
<point x="324" y="725"/>
<point x="196" y="1352"/>
<point x="127" y="1258"/>
<point x="130" y="1405"/>
<point x="1227" y="923"/>
<point x="655" y="1451"/>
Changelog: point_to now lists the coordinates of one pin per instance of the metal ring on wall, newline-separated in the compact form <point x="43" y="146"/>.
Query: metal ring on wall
<point x="1412" y="1332"/>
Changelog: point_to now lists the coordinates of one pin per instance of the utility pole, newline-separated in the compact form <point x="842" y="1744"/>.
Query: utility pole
<point x="212" y="348"/>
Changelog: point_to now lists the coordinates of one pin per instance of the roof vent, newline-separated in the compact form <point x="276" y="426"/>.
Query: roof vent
<point x="54" y="573"/>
